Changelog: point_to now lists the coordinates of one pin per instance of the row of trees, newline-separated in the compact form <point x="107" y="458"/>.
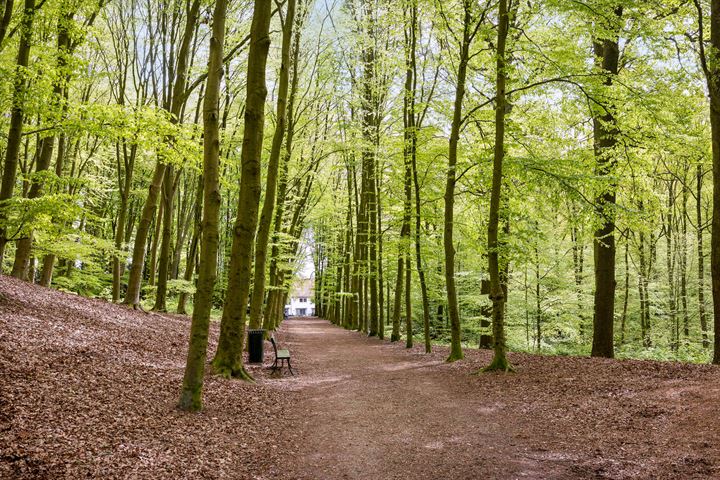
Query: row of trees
<point x="487" y="146"/>
<point x="570" y="128"/>
<point x="120" y="96"/>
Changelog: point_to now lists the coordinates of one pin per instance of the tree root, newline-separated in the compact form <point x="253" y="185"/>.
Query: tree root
<point x="454" y="357"/>
<point x="236" y="372"/>
<point x="498" y="364"/>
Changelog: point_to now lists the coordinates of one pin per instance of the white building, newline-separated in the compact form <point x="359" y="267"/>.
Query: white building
<point x="301" y="298"/>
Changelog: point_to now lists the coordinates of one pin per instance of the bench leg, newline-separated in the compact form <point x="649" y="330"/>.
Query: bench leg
<point x="290" y="368"/>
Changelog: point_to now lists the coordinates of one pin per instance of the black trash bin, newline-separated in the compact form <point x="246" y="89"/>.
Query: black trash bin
<point x="255" y="345"/>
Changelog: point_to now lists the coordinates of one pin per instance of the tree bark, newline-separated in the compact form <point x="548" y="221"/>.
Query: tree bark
<point x="228" y="361"/>
<point x="263" y="233"/>
<point x="456" y="352"/>
<point x="176" y="102"/>
<point x="17" y="116"/>
<point x="191" y="395"/>
<point x="496" y="264"/>
<point x="700" y="258"/>
<point x="605" y="139"/>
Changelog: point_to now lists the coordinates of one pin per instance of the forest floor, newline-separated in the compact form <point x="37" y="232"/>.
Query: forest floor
<point x="88" y="389"/>
<point x="369" y="409"/>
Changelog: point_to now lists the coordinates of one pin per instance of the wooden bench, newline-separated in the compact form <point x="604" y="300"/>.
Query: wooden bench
<point x="282" y="355"/>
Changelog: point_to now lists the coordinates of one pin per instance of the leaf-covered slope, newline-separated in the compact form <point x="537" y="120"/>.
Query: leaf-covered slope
<point x="89" y="388"/>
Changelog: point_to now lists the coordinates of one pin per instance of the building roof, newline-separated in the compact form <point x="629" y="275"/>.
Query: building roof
<point x="303" y="287"/>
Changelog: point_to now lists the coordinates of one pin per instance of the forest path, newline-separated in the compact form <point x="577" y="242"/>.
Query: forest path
<point x="369" y="409"/>
<point x="372" y="410"/>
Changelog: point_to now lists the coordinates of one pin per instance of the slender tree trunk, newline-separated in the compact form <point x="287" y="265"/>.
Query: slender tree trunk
<point x="605" y="130"/>
<point x="228" y="360"/>
<point x="192" y="251"/>
<point x="168" y="200"/>
<point x="155" y="242"/>
<point x="126" y="185"/>
<point x="701" y="259"/>
<point x="381" y="279"/>
<point x="670" y="263"/>
<point x="495" y="261"/>
<point x="456" y="352"/>
<point x="17" y="116"/>
<point x="176" y="102"/>
<point x="397" y="305"/>
<point x="578" y="251"/>
<point x="626" y="295"/>
<point x="5" y="20"/>
<point x="191" y="396"/>
<point x="683" y="260"/>
<point x="263" y="233"/>
<point x="538" y="311"/>
<point x="408" y="304"/>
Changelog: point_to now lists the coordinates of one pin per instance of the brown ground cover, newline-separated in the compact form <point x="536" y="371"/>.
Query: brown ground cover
<point x="88" y="389"/>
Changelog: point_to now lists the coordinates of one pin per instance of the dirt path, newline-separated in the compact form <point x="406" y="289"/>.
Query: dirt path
<point x="369" y="410"/>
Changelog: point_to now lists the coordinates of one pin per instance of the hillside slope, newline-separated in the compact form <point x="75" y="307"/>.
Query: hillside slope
<point x="88" y="388"/>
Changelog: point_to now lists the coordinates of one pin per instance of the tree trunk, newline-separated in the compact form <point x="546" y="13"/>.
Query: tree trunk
<point x="17" y="116"/>
<point x="228" y="360"/>
<point x="605" y="137"/>
<point x="168" y="200"/>
<point x="701" y="259"/>
<point x="456" y="352"/>
<point x="263" y="233"/>
<point x="191" y="396"/>
<point x="495" y="261"/>
<point x="125" y="186"/>
<point x="192" y="251"/>
<point x="176" y="102"/>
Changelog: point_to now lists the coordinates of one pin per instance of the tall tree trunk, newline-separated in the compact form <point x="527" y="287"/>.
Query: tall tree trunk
<point x="380" y="279"/>
<point x="606" y="133"/>
<point x="711" y="69"/>
<point x="44" y="159"/>
<point x="408" y="304"/>
<point x="5" y="20"/>
<point x="17" y="116"/>
<point x="197" y="232"/>
<point x="700" y="258"/>
<point x="263" y="233"/>
<point x="669" y="228"/>
<point x="456" y="352"/>
<point x="125" y="181"/>
<point x="228" y="360"/>
<point x="416" y="184"/>
<point x="495" y="262"/>
<point x="175" y="102"/>
<point x="168" y="200"/>
<point x="155" y="240"/>
<point x="683" y="259"/>
<point x="191" y="396"/>
<point x="626" y="295"/>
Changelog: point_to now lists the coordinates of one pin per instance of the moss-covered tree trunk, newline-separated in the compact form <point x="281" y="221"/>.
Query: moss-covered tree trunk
<point x="263" y="233"/>
<point x="228" y="360"/>
<point x="17" y="116"/>
<point x="495" y="253"/>
<point x="191" y="395"/>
